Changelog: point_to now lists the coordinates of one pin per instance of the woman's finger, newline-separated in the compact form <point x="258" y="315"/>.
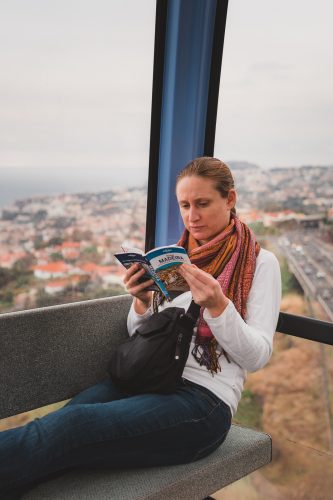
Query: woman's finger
<point x="133" y="281"/>
<point x="192" y="280"/>
<point x="188" y="271"/>
<point x="131" y="271"/>
<point x="200" y="291"/>
<point x="138" y="288"/>
<point x="205" y="289"/>
<point x="134" y="290"/>
<point x="134" y="277"/>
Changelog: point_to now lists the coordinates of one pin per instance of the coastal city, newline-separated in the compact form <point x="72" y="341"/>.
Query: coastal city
<point x="57" y="249"/>
<point x="60" y="248"/>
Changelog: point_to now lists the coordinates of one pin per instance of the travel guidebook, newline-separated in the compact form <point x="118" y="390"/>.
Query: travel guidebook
<point x="160" y="265"/>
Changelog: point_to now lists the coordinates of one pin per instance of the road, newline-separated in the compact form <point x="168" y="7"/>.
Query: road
<point x="311" y="260"/>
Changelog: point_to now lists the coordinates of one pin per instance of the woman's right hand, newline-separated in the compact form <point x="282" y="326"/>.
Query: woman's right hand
<point x="138" y="290"/>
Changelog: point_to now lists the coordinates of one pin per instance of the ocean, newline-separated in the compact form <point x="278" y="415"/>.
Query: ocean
<point x="24" y="182"/>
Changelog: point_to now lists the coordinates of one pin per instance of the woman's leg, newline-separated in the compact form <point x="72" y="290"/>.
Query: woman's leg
<point x="103" y="392"/>
<point x="141" y="430"/>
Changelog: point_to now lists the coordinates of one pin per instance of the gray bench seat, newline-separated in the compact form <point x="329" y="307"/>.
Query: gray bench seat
<point x="52" y="353"/>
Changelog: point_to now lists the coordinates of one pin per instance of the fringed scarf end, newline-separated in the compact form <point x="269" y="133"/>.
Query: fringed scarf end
<point x="206" y="354"/>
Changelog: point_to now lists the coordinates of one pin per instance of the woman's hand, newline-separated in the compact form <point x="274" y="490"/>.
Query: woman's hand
<point x="206" y="291"/>
<point x="138" y="290"/>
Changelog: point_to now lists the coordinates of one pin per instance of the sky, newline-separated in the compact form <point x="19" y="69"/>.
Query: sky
<point x="76" y="82"/>
<point x="276" y="92"/>
<point x="76" y="76"/>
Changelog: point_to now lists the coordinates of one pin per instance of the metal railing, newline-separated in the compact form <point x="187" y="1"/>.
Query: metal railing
<point x="306" y="328"/>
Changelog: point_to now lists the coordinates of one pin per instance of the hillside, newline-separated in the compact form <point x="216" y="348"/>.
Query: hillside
<point x="292" y="393"/>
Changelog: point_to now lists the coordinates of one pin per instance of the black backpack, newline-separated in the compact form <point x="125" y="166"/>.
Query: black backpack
<point x="153" y="359"/>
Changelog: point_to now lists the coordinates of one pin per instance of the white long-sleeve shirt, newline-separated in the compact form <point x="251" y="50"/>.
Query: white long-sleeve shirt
<point x="248" y="343"/>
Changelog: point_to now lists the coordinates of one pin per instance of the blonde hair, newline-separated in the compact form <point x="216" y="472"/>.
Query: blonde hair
<point x="213" y="169"/>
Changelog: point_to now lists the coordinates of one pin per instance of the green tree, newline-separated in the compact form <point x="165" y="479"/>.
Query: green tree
<point x="56" y="240"/>
<point x="55" y="256"/>
<point x="6" y="276"/>
<point x="79" y="235"/>
<point x="23" y="279"/>
<point x="7" y="297"/>
<point x="91" y="254"/>
<point x="43" y="299"/>
<point x="83" y="284"/>
<point x="260" y="230"/>
<point x="289" y="282"/>
<point x="22" y="266"/>
<point x="249" y="411"/>
<point x="39" y="242"/>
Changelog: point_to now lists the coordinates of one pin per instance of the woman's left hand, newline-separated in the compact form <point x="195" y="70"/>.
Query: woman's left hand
<point x="206" y="291"/>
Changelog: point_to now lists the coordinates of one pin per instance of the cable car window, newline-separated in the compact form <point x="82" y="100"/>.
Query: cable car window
<point x="274" y="127"/>
<point x="75" y="105"/>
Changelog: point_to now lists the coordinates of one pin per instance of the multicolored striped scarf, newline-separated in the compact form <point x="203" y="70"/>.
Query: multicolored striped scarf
<point x="231" y="258"/>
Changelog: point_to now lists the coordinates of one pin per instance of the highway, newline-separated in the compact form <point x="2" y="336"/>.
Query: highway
<point x="311" y="260"/>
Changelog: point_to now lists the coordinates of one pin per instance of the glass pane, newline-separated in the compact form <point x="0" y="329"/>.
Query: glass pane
<point x="290" y="399"/>
<point x="74" y="145"/>
<point x="274" y="128"/>
<point x="297" y="472"/>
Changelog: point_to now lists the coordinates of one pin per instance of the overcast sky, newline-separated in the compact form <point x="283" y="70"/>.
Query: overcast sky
<point x="276" y="94"/>
<point x="76" y="82"/>
<point x="75" y="85"/>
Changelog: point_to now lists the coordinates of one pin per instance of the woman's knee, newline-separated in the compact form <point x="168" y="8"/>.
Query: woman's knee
<point x="102" y="392"/>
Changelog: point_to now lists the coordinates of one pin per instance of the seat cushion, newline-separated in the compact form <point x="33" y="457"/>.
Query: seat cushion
<point x="243" y="451"/>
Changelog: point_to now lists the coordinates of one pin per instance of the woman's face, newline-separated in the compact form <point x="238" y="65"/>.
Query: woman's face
<point x="204" y="212"/>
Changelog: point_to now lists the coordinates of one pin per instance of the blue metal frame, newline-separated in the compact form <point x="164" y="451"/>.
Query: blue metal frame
<point x="189" y="39"/>
<point x="187" y="65"/>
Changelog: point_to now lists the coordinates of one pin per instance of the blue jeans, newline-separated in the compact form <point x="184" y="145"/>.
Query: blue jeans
<point x="103" y="426"/>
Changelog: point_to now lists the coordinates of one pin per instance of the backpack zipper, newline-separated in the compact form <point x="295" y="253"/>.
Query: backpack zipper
<point x="179" y="341"/>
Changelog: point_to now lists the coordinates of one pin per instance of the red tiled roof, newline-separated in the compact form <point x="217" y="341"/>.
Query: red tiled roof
<point x="89" y="267"/>
<point x="52" y="267"/>
<point x="72" y="254"/>
<point x="70" y="244"/>
<point x="11" y="257"/>
<point x="63" y="282"/>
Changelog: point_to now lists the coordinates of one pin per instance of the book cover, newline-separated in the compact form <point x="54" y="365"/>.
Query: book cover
<point x="160" y="265"/>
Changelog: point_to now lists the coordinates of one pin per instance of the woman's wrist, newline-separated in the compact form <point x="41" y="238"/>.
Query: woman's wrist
<point x="219" y="308"/>
<point x="141" y="306"/>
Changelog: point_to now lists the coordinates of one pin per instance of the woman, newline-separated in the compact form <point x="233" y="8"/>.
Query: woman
<point x="238" y="287"/>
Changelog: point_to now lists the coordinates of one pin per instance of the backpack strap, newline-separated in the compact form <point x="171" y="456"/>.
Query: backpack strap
<point x="192" y="313"/>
